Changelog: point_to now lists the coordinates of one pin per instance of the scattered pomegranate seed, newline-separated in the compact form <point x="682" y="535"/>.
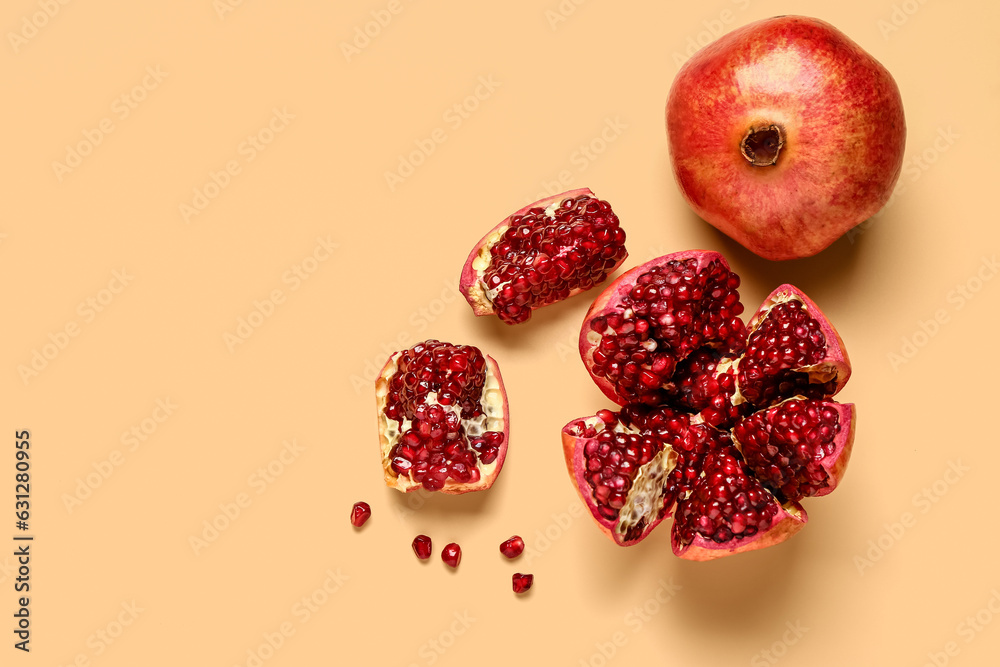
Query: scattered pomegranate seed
<point x="361" y="513"/>
<point x="422" y="547"/>
<point x="522" y="582"/>
<point x="452" y="554"/>
<point x="513" y="547"/>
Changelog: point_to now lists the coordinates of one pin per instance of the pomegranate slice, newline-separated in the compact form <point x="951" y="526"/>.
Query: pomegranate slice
<point x="654" y="316"/>
<point x="631" y="466"/>
<point x="728" y="511"/>
<point x="791" y="349"/>
<point x="546" y="252"/>
<point x="442" y="418"/>
<point x="799" y="447"/>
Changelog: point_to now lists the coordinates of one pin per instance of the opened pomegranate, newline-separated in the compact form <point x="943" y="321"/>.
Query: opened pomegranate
<point x="546" y="252"/>
<point x="442" y="418"/>
<point x="730" y="432"/>
<point x="784" y="134"/>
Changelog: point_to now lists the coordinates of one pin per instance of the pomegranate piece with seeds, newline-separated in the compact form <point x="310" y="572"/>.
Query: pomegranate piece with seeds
<point x="522" y="582"/>
<point x="422" y="547"/>
<point x="512" y="547"/>
<point x="451" y="554"/>
<point x="546" y="252"/>
<point x="726" y="425"/>
<point x="655" y="315"/>
<point x="442" y="418"/>
<point x="360" y="513"/>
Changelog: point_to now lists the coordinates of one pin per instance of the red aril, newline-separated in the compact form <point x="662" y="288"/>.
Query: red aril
<point x="422" y="547"/>
<point x="451" y="554"/>
<point x="522" y="582"/>
<point x="512" y="548"/>
<point x="360" y="513"/>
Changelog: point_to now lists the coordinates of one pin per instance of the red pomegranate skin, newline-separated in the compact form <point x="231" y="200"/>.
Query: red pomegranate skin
<point x="842" y="120"/>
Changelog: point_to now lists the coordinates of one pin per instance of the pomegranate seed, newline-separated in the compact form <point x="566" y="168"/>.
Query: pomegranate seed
<point x="422" y="547"/>
<point x="522" y="582"/>
<point x="360" y="513"/>
<point x="512" y="547"/>
<point x="452" y="554"/>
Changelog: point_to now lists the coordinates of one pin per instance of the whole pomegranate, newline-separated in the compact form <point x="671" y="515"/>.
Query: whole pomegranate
<point x="784" y="134"/>
<point x="442" y="418"/>
<point x="546" y="252"/>
<point x="727" y="425"/>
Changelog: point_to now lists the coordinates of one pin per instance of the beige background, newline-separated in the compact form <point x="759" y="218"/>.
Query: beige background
<point x="890" y="569"/>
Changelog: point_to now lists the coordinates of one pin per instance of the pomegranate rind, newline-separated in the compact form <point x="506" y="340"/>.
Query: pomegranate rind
<point x="576" y="463"/>
<point x="488" y="472"/>
<point x="609" y="301"/>
<point x="790" y="519"/>
<point x="835" y="365"/>
<point x="471" y="283"/>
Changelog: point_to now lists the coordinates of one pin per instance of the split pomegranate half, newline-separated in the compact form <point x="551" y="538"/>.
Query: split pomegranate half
<point x="726" y="426"/>
<point x="545" y="252"/>
<point x="442" y="418"/>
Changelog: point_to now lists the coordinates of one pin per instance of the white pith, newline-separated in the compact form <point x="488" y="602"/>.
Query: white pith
<point x="645" y="498"/>
<point x="390" y="431"/>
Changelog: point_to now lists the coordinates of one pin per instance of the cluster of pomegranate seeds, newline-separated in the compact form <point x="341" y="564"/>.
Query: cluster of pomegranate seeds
<point x="788" y="338"/>
<point x="435" y="396"/>
<point x="360" y="513"/>
<point x="700" y="387"/>
<point x="785" y="444"/>
<point x="522" y="582"/>
<point x="725" y="502"/>
<point x="546" y="254"/>
<point x="422" y="547"/>
<point x="513" y="547"/>
<point x="451" y="554"/>
<point x="672" y="310"/>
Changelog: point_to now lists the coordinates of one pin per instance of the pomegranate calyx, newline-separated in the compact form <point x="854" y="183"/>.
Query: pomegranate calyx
<point x="762" y="144"/>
